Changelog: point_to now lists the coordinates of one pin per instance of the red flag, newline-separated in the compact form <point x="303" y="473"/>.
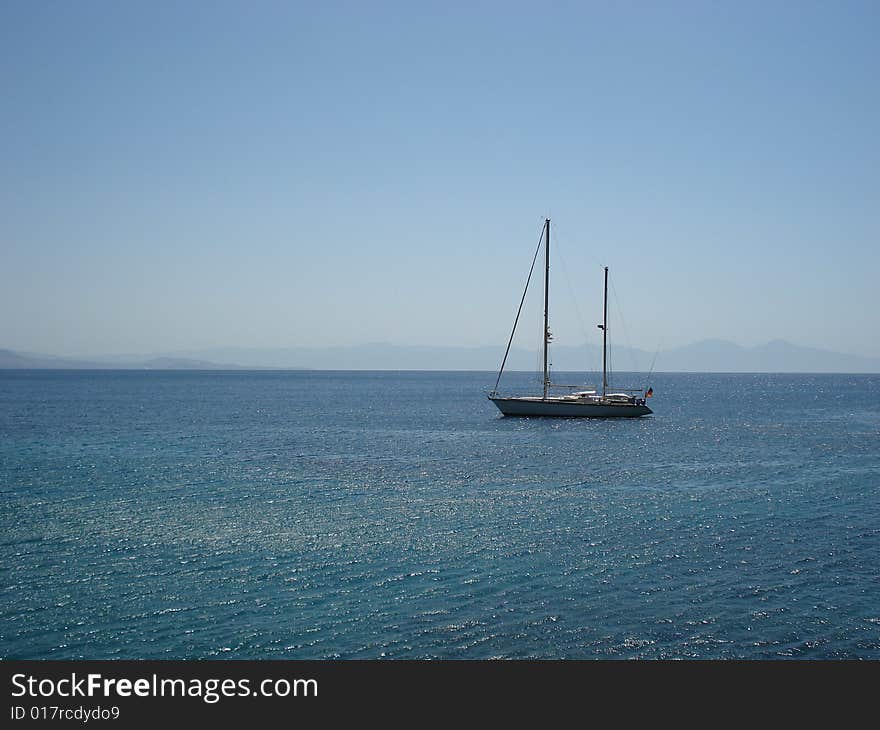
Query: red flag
<point x="649" y="393"/>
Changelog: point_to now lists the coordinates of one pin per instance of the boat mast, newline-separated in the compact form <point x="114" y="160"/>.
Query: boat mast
<point x="605" y="338"/>
<point x="546" y="302"/>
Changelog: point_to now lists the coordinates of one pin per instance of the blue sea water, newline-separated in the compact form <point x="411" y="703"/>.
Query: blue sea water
<point x="301" y="515"/>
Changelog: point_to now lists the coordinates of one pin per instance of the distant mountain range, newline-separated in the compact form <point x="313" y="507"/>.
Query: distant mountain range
<point x="28" y="361"/>
<point x="706" y="356"/>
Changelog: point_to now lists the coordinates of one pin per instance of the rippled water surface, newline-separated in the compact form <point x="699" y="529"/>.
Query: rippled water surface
<point x="362" y="515"/>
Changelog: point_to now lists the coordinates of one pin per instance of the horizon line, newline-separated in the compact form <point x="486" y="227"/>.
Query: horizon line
<point x="252" y="369"/>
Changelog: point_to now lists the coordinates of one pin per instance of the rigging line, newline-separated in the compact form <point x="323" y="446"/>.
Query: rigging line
<point x="651" y="371"/>
<point x="596" y="360"/>
<point x="610" y="368"/>
<point x="587" y="251"/>
<point x="539" y="361"/>
<point x="577" y="309"/>
<point x="518" y="312"/>
<point x="626" y="336"/>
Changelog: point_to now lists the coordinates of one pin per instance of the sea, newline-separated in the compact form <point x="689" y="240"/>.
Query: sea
<point x="366" y="515"/>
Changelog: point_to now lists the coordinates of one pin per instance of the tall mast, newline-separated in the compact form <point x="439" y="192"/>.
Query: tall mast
<point x="605" y="338"/>
<point x="546" y="302"/>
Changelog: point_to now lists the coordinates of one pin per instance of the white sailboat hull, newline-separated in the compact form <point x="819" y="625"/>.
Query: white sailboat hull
<point x="583" y="404"/>
<point x="558" y="407"/>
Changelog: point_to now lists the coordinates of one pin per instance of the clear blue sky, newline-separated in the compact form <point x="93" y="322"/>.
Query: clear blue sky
<point x="187" y="175"/>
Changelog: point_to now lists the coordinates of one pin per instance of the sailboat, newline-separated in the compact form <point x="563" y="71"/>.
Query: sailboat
<point x="587" y="403"/>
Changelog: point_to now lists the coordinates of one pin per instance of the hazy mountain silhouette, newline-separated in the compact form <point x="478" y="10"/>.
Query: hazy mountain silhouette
<point x="777" y="356"/>
<point x="28" y="361"/>
<point x="704" y="356"/>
